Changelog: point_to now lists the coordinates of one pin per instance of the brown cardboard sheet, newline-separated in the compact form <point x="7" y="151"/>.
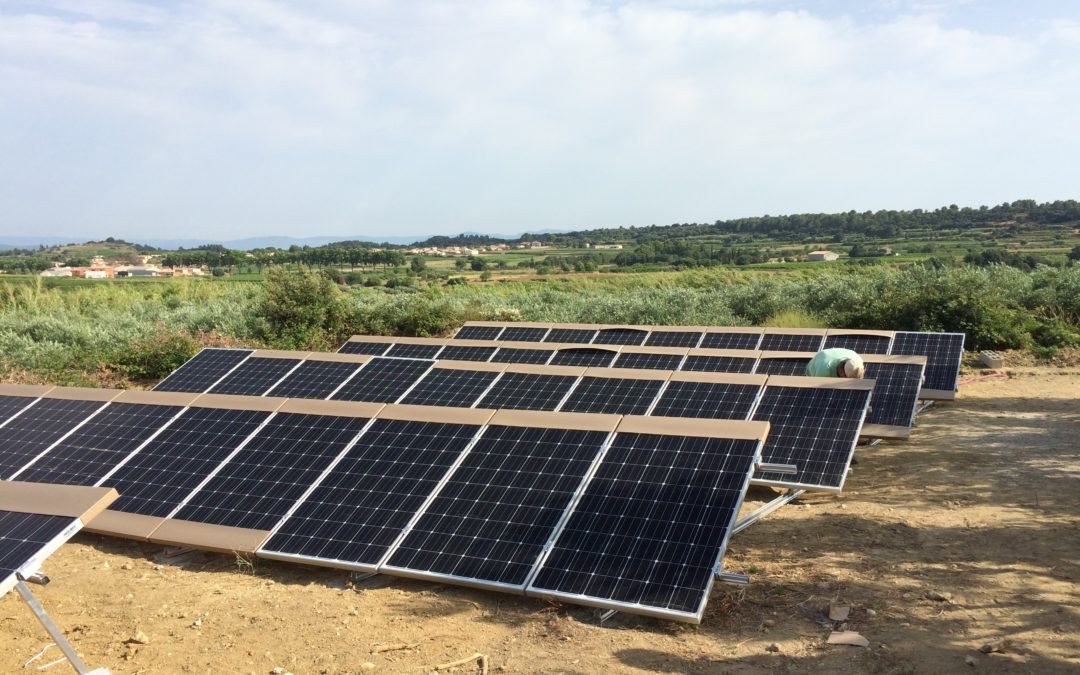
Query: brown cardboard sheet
<point x="174" y="398"/>
<point x="231" y="402"/>
<point x="884" y="358"/>
<point x="824" y="382"/>
<point x="884" y="431"/>
<point x="450" y="364"/>
<point x="718" y="378"/>
<point x="535" y="369"/>
<point x="796" y="331"/>
<point x="279" y="354"/>
<point x="854" y="331"/>
<point x="339" y="358"/>
<point x="127" y="525"/>
<point x="309" y="406"/>
<point x="433" y="413"/>
<point x="217" y="538"/>
<point x="49" y="499"/>
<point x="26" y="390"/>
<point x="684" y="426"/>
<point x="83" y="394"/>
<point x="555" y="420"/>
<point x="628" y="373"/>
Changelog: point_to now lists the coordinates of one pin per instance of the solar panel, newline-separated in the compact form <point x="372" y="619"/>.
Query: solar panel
<point x="260" y="483"/>
<point x="450" y="387"/>
<point x="158" y="477"/>
<point x="366" y="348"/>
<point x="22" y="538"/>
<point x="571" y="335"/>
<point x="652" y="525"/>
<point x="583" y="356"/>
<point x="896" y="392"/>
<point x="523" y="334"/>
<point x="783" y="366"/>
<point x="456" y="353"/>
<point x="514" y="355"/>
<point x="719" y="364"/>
<point x="478" y="333"/>
<point x="645" y="361"/>
<point x="815" y="428"/>
<point x="612" y="395"/>
<point x="24" y="437"/>
<point x="528" y="391"/>
<point x="10" y="405"/>
<point x="791" y="342"/>
<point x="203" y="370"/>
<point x="620" y="336"/>
<point x="315" y="379"/>
<point x="943" y="352"/>
<point x="673" y="338"/>
<point x="491" y="519"/>
<point x="383" y="380"/>
<point x="860" y="344"/>
<point x="711" y="400"/>
<point x="88" y="454"/>
<point x="748" y="340"/>
<point x="364" y="503"/>
<point x="414" y="351"/>
<point x="254" y="376"/>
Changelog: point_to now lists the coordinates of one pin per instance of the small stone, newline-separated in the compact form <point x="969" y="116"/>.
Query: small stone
<point x="773" y="647"/>
<point x="871" y="612"/>
<point x="970" y="660"/>
<point x="991" y="647"/>
<point x="367" y="665"/>
<point x="938" y="596"/>
<point x="126" y="566"/>
<point x="196" y="623"/>
<point x="139" y="638"/>
<point x="278" y="670"/>
<point x="769" y="623"/>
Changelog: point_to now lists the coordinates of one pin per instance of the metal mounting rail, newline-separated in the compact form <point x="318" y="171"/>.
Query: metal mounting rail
<point x="767" y="508"/>
<point x="54" y="632"/>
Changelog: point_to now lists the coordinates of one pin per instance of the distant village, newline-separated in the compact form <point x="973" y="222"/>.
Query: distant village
<point x="99" y="268"/>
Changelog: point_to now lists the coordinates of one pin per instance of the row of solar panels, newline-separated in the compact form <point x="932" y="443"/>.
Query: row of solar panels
<point x="36" y="519"/>
<point x="942" y="350"/>
<point x="816" y="421"/>
<point x="614" y="511"/>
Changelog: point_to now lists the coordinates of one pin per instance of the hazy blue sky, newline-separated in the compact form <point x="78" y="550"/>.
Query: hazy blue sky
<point x="227" y="119"/>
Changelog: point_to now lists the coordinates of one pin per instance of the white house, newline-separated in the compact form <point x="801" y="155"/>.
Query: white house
<point x="821" y="256"/>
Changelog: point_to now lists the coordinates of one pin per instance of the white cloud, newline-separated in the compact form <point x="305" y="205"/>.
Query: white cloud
<point x="345" y="117"/>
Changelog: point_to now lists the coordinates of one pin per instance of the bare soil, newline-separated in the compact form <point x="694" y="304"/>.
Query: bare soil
<point x="981" y="509"/>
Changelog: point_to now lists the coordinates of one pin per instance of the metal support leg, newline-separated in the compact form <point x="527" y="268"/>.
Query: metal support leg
<point x="743" y="523"/>
<point x="54" y="632"/>
<point x="924" y="406"/>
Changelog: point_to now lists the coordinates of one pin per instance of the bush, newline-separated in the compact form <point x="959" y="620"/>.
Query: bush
<point x="302" y="309"/>
<point x="156" y="356"/>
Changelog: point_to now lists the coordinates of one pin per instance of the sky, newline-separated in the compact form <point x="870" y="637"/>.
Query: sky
<point x="227" y="119"/>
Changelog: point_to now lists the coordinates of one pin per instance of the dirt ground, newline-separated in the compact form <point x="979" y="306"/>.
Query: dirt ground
<point x="981" y="506"/>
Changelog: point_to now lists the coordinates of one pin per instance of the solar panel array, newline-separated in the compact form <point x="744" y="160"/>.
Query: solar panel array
<point x="462" y="496"/>
<point x="942" y="350"/>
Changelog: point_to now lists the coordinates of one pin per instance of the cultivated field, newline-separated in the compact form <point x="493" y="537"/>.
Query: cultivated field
<point x="979" y="510"/>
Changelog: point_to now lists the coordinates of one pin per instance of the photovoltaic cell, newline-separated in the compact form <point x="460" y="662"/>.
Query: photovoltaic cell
<point x="492" y="518"/>
<point x="383" y="380"/>
<point x="896" y="393"/>
<point x="783" y="366"/>
<point x="10" y="405"/>
<point x="711" y="400"/>
<point x="671" y="338"/>
<point x="23" y="535"/>
<point x="254" y="377"/>
<point x="652" y="523"/>
<point x="86" y="456"/>
<point x="814" y="428"/>
<point x="860" y="344"/>
<point x="314" y="379"/>
<point x="527" y="391"/>
<point x="478" y="333"/>
<point x="523" y="334"/>
<point x="649" y="361"/>
<point x="570" y="335"/>
<point x="943" y="352"/>
<point x="257" y="487"/>
<point x="620" y="336"/>
<point x="366" y="348"/>
<point x="25" y="437"/>
<point x="450" y="387"/>
<point x="577" y="356"/>
<point x="615" y="396"/>
<point x="163" y="473"/>
<point x="719" y="364"/>
<point x="364" y="503"/>
<point x="456" y="353"/>
<point x="510" y="355"/>
<point x="411" y="351"/>
<point x="782" y="342"/>
<point x="203" y="370"/>
<point x="730" y="341"/>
